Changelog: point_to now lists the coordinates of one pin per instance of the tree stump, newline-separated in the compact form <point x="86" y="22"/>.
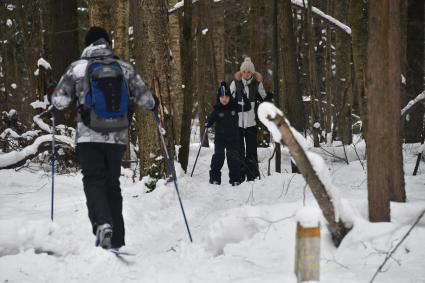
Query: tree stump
<point x="307" y="251"/>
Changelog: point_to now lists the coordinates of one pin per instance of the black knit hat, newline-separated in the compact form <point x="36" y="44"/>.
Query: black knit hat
<point x="96" y="33"/>
<point x="223" y="89"/>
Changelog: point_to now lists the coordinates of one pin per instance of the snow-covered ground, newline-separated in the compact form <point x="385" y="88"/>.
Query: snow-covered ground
<point x="240" y="234"/>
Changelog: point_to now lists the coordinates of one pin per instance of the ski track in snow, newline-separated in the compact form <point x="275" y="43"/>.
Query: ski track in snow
<point x="241" y="234"/>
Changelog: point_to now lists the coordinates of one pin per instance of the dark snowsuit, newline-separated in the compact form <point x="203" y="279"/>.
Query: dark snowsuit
<point x="226" y="138"/>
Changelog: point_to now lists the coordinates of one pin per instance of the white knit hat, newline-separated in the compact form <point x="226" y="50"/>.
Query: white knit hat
<point x="247" y="65"/>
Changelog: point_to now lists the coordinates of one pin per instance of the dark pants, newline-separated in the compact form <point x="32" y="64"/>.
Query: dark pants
<point x="101" y="168"/>
<point x="232" y="154"/>
<point x="248" y="150"/>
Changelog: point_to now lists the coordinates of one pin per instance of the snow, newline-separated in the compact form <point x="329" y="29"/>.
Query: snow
<point x="40" y="104"/>
<point x="40" y="123"/>
<point x="241" y="234"/>
<point x="179" y="5"/>
<point x="308" y="217"/>
<point x="265" y="110"/>
<point x="43" y="63"/>
<point x="412" y="102"/>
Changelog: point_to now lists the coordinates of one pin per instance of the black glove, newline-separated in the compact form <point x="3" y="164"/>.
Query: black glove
<point x="207" y="124"/>
<point x="50" y="90"/>
<point x="156" y="106"/>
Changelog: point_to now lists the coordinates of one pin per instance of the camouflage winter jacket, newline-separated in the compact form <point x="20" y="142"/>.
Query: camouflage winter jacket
<point x="72" y="87"/>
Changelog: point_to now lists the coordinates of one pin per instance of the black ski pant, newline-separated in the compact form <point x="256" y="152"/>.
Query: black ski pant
<point x="101" y="168"/>
<point x="248" y="150"/>
<point x="231" y="146"/>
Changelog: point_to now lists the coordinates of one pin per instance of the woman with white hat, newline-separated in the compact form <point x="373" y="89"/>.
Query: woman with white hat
<point x="248" y="83"/>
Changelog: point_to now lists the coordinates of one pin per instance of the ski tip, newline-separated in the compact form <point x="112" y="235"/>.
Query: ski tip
<point x="118" y="252"/>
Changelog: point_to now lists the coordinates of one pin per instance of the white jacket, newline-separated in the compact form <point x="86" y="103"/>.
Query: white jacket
<point x="247" y="119"/>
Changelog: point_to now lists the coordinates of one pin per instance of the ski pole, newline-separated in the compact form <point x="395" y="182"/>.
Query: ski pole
<point x="171" y="169"/>
<point x="53" y="158"/>
<point x="196" y="160"/>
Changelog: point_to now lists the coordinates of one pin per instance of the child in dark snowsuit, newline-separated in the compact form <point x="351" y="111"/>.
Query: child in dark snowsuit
<point x="225" y="115"/>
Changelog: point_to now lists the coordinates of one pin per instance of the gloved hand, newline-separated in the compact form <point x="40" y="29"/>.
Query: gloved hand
<point x="207" y="125"/>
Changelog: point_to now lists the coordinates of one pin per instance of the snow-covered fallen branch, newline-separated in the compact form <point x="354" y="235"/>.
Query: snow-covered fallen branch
<point x="412" y="102"/>
<point x="16" y="158"/>
<point x="311" y="167"/>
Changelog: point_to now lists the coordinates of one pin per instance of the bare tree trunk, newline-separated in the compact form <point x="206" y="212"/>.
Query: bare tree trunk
<point x="65" y="32"/>
<point x="383" y="91"/>
<point x="292" y="90"/>
<point x="343" y="97"/>
<point x="415" y="67"/>
<point x="330" y="110"/>
<point x="187" y="81"/>
<point x="153" y="64"/>
<point x="121" y="20"/>
<point x="121" y="49"/>
<point x="100" y="14"/>
<point x="357" y="18"/>
<point x="176" y="70"/>
<point x="218" y="39"/>
<point x="313" y="83"/>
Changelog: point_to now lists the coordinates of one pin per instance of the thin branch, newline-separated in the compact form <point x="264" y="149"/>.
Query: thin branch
<point x="396" y="247"/>
<point x="412" y="102"/>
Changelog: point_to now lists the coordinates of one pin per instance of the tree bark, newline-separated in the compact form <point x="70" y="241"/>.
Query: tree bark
<point x="292" y="92"/>
<point x="100" y="14"/>
<point x="153" y="63"/>
<point x="343" y="97"/>
<point x="357" y="18"/>
<point x="176" y="70"/>
<point x="415" y="67"/>
<point x="313" y="83"/>
<point x="187" y="81"/>
<point x="383" y="92"/>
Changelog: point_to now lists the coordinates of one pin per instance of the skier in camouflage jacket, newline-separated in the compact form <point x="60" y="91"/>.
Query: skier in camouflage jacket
<point x="100" y="154"/>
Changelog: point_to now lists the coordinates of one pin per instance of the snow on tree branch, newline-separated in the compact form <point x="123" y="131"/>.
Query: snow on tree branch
<point x="324" y="16"/>
<point x="412" y="102"/>
<point x="16" y="157"/>
<point x="299" y="3"/>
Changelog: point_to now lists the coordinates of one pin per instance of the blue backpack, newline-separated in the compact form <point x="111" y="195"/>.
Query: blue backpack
<point x="106" y="102"/>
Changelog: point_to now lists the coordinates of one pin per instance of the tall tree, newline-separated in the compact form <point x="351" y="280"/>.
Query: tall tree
<point x="64" y="42"/>
<point x="100" y="14"/>
<point x="121" y="25"/>
<point x="415" y="67"/>
<point x="383" y="91"/>
<point x="292" y="95"/>
<point x="344" y="93"/>
<point x="64" y="45"/>
<point x="313" y="81"/>
<point x="153" y="63"/>
<point x="187" y="82"/>
<point x="357" y="18"/>
<point x="174" y="23"/>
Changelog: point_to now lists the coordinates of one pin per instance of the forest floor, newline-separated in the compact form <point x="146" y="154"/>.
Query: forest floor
<point x="240" y="234"/>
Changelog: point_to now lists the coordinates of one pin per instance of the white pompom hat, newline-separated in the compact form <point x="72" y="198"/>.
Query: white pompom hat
<point x="247" y="65"/>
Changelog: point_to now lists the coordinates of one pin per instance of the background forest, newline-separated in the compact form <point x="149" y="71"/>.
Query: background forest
<point x="335" y="68"/>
